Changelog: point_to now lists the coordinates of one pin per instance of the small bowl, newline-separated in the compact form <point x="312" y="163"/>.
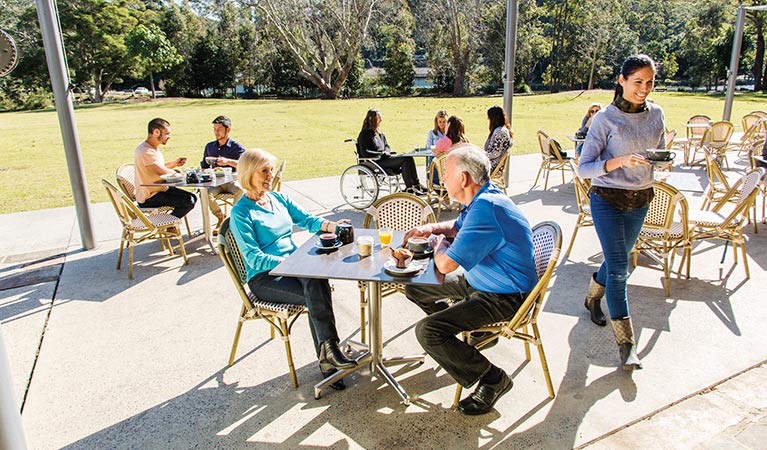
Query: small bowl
<point x="418" y="244"/>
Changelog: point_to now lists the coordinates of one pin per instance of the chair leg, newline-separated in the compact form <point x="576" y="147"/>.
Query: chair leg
<point x="120" y="253"/>
<point x="240" y="320"/>
<point x="458" y="387"/>
<point x="544" y="364"/>
<point x="289" y="353"/>
<point x="666" y="282"/>
<point x="535" y="183"/>
<point x="188" y="228"/>
<point x="572" y="239"/>
<point x="546" y="183"/>
<point x="181" y="245"/>
<point x="130" y="260"/>
<point x="745" y="259"/>
<point x="527" y="345"/>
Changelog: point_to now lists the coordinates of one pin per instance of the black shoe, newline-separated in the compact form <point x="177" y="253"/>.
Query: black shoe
<point x="481" y="401"/>
<point x="338" y="385"/>
<point x="477" y="337"/>
<point x="331" y="357"/>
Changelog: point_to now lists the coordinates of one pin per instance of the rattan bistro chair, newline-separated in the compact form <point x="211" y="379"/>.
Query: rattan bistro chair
<point x="399" y="211"/>
<point x="551" y="159"/>
<point x="125" y="175"/>
<point x="497" y="177"/>
<point x="139" y="227"/>
<point x="715" y="138"/>
<point x="661" y="234"/>
<point x="437" y="194"/>
<point x="547" y="242"/>
<point x="728" y="226"/>
<point x="279" y="316"/>
<point x="584" y="208"/>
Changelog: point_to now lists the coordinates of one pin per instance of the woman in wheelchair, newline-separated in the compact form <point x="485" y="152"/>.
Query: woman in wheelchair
<point x="262" y="224"/>
<point x="371" y="143"/>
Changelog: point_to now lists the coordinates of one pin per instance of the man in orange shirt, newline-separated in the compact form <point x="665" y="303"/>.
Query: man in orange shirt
<point x="150" y="164"/>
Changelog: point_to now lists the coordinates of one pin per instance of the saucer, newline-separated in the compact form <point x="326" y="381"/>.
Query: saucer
<point x="390" y="266"/>
<point x="655" y="161"/>
<point x="319" y="245"/>
<point x="423" y="255"/>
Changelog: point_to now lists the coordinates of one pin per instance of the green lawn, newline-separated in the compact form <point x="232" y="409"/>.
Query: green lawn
<point x="308" y="133"/>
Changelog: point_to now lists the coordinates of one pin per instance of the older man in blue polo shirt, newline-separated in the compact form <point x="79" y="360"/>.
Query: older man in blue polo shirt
<point x="227" y="152"/>
<point x="489" y="269"/>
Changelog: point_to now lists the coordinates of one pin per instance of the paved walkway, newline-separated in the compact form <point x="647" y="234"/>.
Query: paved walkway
<point x="100" y="361"/>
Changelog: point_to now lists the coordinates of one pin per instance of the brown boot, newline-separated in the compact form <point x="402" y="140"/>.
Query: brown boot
<point x="624" y="337"/>
<point x="594" y="301"/>
<point x="220" y="217"/>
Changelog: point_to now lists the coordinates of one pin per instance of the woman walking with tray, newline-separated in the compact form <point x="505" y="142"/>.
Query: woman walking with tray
<point x="621" y="191"/>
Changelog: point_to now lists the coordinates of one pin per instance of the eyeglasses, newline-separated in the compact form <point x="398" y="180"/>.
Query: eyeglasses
<point x="594" y="111"/>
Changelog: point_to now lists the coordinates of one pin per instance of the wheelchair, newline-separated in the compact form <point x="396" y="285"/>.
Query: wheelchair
<point x="363" y="182"/>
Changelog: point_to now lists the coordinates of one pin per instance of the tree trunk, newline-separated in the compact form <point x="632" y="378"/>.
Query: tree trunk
<point x="151" y="82"/>
<point x="593" y="64"/>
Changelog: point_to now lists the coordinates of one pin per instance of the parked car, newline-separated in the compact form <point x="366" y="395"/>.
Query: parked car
<point x="141" y="90"/>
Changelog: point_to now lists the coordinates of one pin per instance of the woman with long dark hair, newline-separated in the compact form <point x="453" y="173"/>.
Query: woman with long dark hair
<point x="621" y="191"/>
<point x="372" y="144"/>
<point x="499" y="141"/>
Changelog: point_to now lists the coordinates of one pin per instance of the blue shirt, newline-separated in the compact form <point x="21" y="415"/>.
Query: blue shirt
<point x="231" y="149"/>
<point x="494" y="244"/>
<point x="432" y="138"/>
<point x="265" y="236"/>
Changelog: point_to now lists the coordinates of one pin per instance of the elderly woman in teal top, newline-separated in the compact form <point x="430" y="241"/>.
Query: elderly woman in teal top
<point x="621" y="191"/>
<point x="262" y="224"/>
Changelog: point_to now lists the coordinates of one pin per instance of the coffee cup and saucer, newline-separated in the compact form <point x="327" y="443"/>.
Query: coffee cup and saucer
<point x="420" y="246"/>
<point x="659" y="155"/>
<point x="328" y="242"/>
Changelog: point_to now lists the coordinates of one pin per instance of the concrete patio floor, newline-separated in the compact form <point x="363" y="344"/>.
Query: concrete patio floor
<point x="100" y="361"/>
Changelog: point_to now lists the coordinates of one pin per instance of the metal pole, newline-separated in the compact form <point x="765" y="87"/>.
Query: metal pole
<point x="512" y="11"/>
<point x="11" y="429"/>
<point x="54" y="55"/>
<point x="732" y="73"/>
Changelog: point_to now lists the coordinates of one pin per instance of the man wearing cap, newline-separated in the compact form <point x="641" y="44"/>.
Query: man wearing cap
<point x="228" y="152"/>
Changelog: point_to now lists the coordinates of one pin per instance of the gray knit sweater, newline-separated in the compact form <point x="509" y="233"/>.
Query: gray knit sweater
<point x="616" y="133"/>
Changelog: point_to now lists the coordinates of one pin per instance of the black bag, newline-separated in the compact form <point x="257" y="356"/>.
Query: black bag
<point x="555" y="145"/>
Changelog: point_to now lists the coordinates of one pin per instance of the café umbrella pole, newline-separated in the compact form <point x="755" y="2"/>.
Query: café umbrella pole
<point x="54" y="55"/>
<point x="512" y="11"/>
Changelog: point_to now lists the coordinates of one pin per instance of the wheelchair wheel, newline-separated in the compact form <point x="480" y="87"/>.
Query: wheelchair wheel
<point x="359" y="186"/>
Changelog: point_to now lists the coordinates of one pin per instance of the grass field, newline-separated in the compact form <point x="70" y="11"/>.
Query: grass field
<point x="308" y="133"/>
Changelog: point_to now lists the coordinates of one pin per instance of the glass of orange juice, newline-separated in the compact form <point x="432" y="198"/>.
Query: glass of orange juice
<point x="384" y="235"/>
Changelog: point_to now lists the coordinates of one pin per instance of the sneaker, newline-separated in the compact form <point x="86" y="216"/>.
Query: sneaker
<point x="481" y="401"/>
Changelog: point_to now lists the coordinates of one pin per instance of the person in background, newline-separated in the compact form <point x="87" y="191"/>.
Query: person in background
<point x="499" y="141"/>
<point x="372" y="144"/>
<point x="262" y="225"/>
<point x="489" y="265"/>
<point x="456" y="133"/>
<point x="150" y="164"/>
<point x="621" y="191"/>
<point x="434" y="135"/>
<point x="226" y="151"/>
<point x="585" y="124"/>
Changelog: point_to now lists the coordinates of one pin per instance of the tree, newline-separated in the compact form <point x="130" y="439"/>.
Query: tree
<point x="94" y="35"/>
<point x="323" y="36"/>
<point x="152" y="50"/>
<point x="395" y="33"/>
<point x="458" y="25"/>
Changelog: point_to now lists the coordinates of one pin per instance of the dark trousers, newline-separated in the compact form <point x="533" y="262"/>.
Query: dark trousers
<point x="312" y="292"/>
<point x="182" y="201"/>
<point x="438" y="331"/>
<point x="404" y="165"/>
<point x="617" y="231"/>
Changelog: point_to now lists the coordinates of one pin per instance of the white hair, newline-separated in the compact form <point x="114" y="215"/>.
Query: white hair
<point x="473" y="160"/>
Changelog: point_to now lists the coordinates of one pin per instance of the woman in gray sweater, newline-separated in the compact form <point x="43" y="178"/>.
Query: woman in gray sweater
<point x="621" y="180"/>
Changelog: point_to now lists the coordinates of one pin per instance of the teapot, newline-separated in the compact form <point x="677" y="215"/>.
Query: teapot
<point x="345" y="233"/>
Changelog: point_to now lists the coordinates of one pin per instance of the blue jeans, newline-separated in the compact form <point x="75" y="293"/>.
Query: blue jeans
<point x="312" y="292"/>
<point x="617" y="231"/>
